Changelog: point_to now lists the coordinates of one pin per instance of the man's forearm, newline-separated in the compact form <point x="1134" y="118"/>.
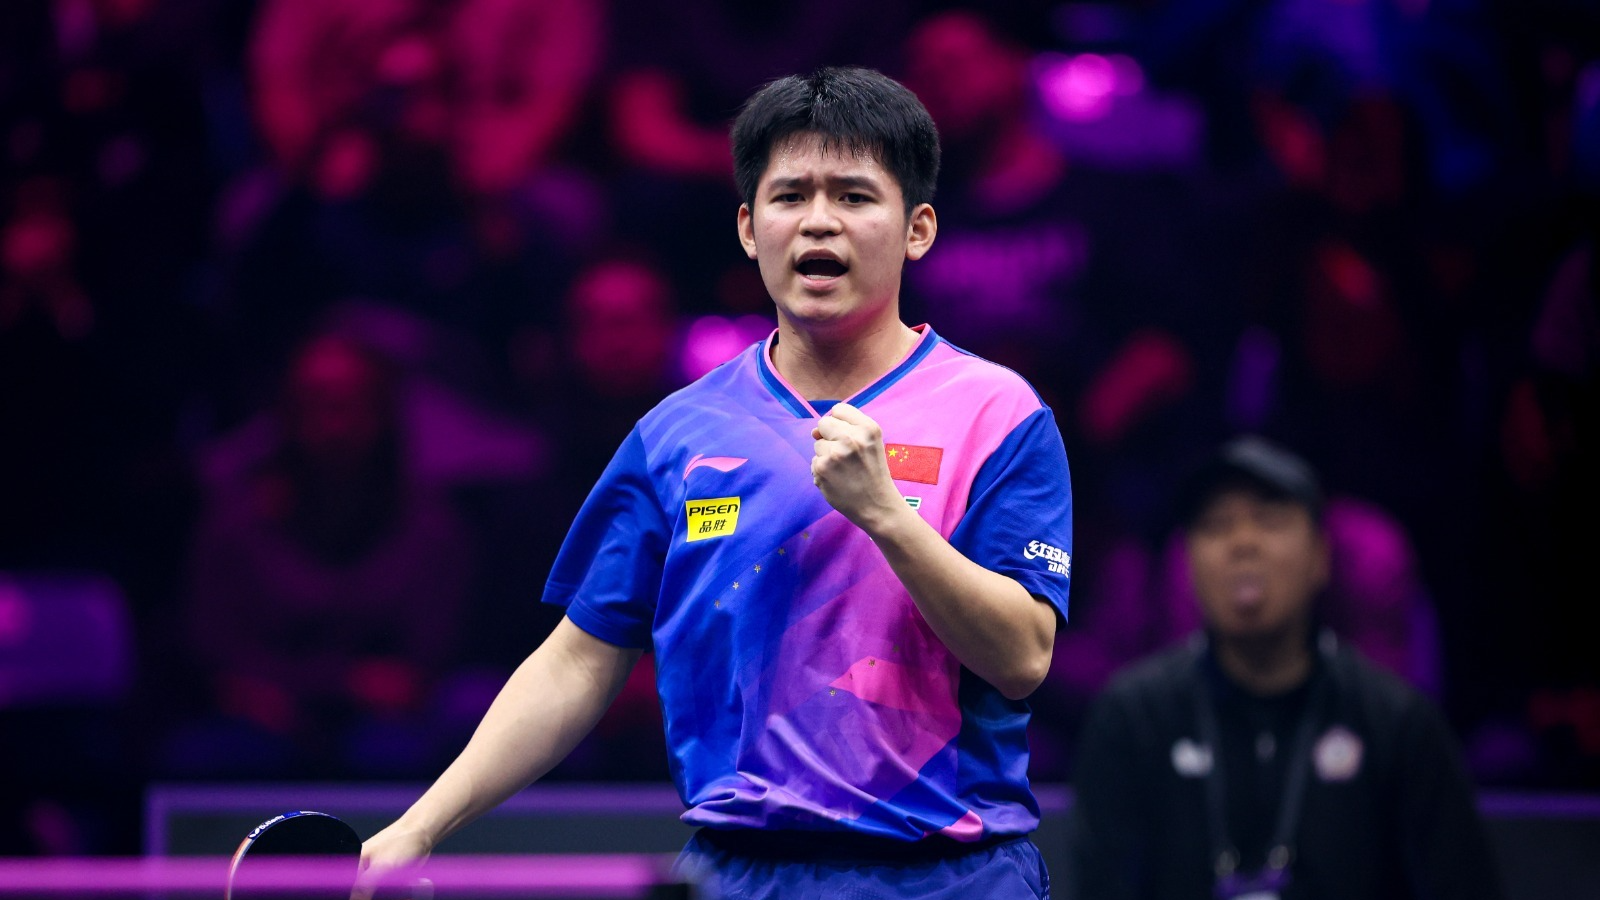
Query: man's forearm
<point x="550" y="702"/>
<point x="988" y="620"/>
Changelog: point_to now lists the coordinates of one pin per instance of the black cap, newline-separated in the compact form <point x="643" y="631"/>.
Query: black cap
<point x="1254" y="463"/>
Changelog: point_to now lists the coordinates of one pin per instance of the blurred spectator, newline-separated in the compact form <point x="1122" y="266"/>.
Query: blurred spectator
<point x="621" y="328"/>
<point x="1264" y="759"/>
<point x="102" y="205"/>
<point x="343" y="87"/>
<point x="1053" y="266"/>
<point x="1374" y="598"/>
<point x="327" y="589"/>
<point x="612" y="360"/>
<point x="1547" y="730"/>
<point x="611" y="357"/>
<point x="1144" y="602"/>
<point x="59" y="454"/>
<point x="671" y="100"/>
<point x="1441" y="60"/>
<point x="37" y="265"/>
<point x="1015" y="247"/>
<point x="1356" y="302"/>
<point x="418" y="156"/>
<point x="668" y="104"/>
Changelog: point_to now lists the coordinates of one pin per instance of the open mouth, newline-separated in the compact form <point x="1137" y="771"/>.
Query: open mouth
<point x="821" y="267"/>
<point x="1247" y="590"/>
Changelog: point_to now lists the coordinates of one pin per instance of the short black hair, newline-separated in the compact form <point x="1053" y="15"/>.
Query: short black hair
<point x="861" y="110"/>
<point x="1253" y="463"/>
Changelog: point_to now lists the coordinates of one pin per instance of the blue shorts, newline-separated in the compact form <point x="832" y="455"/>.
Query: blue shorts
<point x="792" y="866"/>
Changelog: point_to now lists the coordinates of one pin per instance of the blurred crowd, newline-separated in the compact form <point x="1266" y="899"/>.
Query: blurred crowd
<point x="318" y="318"/>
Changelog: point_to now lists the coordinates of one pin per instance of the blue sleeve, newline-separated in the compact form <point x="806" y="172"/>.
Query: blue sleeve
<point x="608" y="573"/>
<point x="1019" y="513"/>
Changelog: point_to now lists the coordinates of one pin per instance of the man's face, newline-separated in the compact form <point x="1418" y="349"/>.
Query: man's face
<point x="1257" y="564"/>
<point x="830" y="232"/>
<point x="339" y="411"/>
<point x="621" y="327"/>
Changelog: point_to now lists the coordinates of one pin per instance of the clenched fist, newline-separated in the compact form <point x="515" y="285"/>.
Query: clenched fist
<point x="851" y="469"/>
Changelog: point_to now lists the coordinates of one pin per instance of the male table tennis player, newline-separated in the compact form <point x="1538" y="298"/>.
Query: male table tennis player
<point x="848" y="548"/>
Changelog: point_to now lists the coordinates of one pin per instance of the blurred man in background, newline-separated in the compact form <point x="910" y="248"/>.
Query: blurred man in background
<point x="1265" y="759"/>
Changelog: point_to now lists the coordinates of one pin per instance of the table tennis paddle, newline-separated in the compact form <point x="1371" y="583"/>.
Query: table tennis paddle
<point x="297" y="833"/>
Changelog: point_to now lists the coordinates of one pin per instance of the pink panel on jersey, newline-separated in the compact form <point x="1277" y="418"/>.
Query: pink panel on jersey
<point x="967" y="828"/>
<point x="972" y="420"/>
<point x="894" y="685"/>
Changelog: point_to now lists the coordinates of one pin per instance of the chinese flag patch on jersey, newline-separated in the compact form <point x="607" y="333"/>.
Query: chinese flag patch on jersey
<point x="910" y="463"/>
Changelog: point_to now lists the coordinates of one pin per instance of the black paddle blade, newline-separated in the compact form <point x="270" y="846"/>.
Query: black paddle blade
<point x="299" y="833"/>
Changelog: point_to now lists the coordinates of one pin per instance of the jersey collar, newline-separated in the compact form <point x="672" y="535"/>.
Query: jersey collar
<point x="791" y="400"/>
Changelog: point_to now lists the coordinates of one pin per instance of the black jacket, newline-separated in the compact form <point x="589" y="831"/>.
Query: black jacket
<point x="1387" y="812"/>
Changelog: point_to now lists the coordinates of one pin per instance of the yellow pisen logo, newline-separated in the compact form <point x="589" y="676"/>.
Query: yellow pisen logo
<point x="712" y="518"/>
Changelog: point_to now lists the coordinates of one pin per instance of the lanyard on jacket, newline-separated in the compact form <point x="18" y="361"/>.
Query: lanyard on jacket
<point x="1225" y="853"/>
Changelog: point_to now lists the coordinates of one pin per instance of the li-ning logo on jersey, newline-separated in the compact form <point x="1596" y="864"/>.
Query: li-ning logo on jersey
<point x="712" y="518"/>
<point x="1058" y="559"/>
<point x="720" y="463"/>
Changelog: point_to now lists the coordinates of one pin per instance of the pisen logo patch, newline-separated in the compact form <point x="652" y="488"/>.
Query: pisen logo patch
<point x="1058" y="559"/>
<point x="712" y="518"/>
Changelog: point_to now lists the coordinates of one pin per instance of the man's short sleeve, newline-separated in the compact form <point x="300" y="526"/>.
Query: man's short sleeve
<point x="608" y="573"/>
<point x="1019" y="513"/>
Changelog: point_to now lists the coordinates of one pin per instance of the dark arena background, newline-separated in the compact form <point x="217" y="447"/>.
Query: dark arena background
<point x="318" y="318"/>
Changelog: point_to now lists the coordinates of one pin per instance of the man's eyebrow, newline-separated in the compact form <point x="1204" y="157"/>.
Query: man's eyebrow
<point x="793" y="181"/>
<point x="856" y="181"/>
<point x="839" y="181"/>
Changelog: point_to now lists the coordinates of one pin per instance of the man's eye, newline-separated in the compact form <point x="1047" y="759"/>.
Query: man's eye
<point x="1276" y="517"/>
<point x="854" y="198"/>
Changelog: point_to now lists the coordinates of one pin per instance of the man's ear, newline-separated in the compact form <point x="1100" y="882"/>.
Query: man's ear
<point x="1323" y="571"/>
<point x="921" y="230"/>
<point x="747" y="230"/>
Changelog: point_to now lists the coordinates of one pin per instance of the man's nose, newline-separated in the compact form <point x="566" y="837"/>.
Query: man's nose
<point x="820" y="217"/>
<point x="1244" y="538"/>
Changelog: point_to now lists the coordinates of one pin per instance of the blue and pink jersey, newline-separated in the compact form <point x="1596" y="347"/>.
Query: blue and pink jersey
<point x="800" y="687"/>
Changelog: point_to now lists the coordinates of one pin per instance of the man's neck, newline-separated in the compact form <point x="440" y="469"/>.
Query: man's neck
<point x="1266" y="668"/>
<point x="823" y="367"/>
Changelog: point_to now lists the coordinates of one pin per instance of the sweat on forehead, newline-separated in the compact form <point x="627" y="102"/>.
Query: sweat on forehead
<point x="787" y="148"/>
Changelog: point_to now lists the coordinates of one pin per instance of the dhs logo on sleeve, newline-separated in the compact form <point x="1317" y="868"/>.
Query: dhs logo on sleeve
<point x="1058" y="559"/>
